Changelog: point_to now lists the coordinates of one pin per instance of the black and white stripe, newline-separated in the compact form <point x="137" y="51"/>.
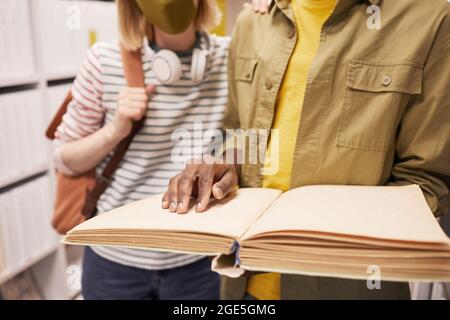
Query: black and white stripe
<point x="147" y="165"/>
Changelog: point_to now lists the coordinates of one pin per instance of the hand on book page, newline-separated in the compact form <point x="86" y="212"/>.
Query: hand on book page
<point x="202" y="179"/>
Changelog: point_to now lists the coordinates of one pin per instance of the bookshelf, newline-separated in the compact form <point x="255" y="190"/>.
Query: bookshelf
<point x="19" y="81"/>
<point x="55" y="35"/>
<point x="23" y="175"/>
<point x="8" y="274"/>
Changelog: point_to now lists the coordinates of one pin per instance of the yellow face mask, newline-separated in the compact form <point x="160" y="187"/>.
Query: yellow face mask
<point x="171" y="16"/>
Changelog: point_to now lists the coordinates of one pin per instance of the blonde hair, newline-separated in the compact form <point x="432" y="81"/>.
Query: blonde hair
<point x="133" y="27"/>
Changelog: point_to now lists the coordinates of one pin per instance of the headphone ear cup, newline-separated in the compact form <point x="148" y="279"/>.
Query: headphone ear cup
<point x="198" y="66"/>
<point x="166" y="66"/>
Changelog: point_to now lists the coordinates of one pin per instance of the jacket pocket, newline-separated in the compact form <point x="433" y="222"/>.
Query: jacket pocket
<point x="245" y="69"/>
<point x="246" y="88"/>
<point x="375" y="96"/>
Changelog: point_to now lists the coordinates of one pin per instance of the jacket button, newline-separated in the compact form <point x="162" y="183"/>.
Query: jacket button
<point x="268" y="85"/>
<point x="387" y="80"/>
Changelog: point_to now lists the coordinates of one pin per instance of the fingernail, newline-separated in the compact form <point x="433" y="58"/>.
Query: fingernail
<point x="180" y="205"/>
<point x="164" y="203"/>
<point x="199" y="206"/>
<point x="173" y="206"/>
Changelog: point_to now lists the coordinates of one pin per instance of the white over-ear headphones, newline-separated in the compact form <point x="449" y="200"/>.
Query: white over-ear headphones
<point x="168" y="69"/>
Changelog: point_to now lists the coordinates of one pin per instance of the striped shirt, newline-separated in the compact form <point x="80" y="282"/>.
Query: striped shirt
<point x="147" y="165"/>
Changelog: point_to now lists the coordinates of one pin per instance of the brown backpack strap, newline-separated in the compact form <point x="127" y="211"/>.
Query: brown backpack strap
<point x="57" y="119"/>
<point x="134" y="75"/>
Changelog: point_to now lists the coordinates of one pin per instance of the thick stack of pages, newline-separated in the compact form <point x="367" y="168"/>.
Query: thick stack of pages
<point x="143" y="224"/>
<point x="337" y="231"/>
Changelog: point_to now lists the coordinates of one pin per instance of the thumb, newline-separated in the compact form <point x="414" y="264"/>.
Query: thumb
<point x="150" y="89"/>
<point x="224" y="186"/>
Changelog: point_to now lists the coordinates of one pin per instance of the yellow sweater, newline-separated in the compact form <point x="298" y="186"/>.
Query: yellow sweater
<point x="310" y="15"/>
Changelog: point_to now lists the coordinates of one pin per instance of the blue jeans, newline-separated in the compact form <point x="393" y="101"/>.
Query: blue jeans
<point x="106" y="280"/>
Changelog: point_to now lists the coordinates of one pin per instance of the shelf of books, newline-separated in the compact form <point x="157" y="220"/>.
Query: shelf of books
<point x="35" y="76"/>
<point x="28" y="206"/>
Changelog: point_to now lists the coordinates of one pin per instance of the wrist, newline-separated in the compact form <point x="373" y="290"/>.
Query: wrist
<point x="111" y="134"/>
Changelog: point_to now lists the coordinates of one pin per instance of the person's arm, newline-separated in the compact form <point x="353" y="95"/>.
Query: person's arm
<point x="84" y="154"/>
<point x="423" y="142"/>
<point x="81" y="143"/>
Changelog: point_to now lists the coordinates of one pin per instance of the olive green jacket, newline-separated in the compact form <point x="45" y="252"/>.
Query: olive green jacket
<point x="376" y="108"/>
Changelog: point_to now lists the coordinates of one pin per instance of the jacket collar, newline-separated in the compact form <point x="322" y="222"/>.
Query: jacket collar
<point x="283" y="4"/>
<point x="277" y="2"/>
<point x="339" y="12"/>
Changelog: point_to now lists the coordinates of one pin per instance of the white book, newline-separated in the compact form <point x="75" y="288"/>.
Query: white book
<point x="11" y="150"/>
<point x="20" y="118"/>
<point x="37" y="122"/>
<point x="32" y="219"/>
<point x="4" y="163"/>
<point x="24" y="142"/>
<point x="4" y="199"/>
<point x="51" y="238"/>
<point x="24" y="222"/>
<point x="3" y="36"/>
<point x="47" y="37"/>
<point x="13" y="42"/>
<point x="82" y="42"/>
<point x="39" y="215"/>
<point x="7" y="37"/>
<point x="12" y="255"/>
<point x="64" y="54"/>
<point x="19" y="43"/>
<point x="26" y="53"/>
<point x="17" y="227"/>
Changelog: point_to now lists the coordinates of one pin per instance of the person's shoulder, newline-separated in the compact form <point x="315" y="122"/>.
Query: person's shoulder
<point x="106" y="50"/>
<point x="443" y="6"/>
<point x="246" y="18"/>
<point x="251" y="29"/>
<point x="435" y="14"/>
<point x="440" y="6"/>
<point x="417" y="10"/>
<point x="427" y="18"/>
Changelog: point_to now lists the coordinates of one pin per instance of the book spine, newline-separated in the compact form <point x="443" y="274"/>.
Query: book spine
<point x="236" y="248"/>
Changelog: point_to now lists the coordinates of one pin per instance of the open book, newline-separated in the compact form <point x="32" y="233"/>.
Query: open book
<point x="337" y="231"/>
